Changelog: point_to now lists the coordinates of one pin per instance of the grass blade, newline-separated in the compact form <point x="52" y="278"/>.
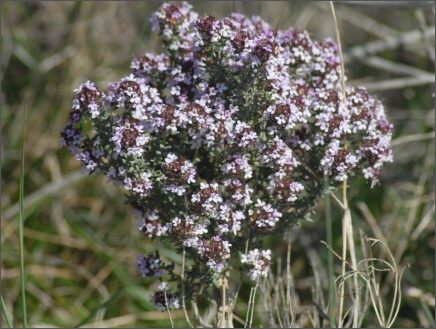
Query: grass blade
<point x="6" y="313"/>
<point x="430" y="317"/>
<point x="95" y="311"/>
<point x="329" y="224"/>
<point x="21" y="227"/>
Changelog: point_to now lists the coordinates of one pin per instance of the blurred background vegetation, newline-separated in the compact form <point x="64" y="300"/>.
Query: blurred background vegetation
<point x="81" y="240"/>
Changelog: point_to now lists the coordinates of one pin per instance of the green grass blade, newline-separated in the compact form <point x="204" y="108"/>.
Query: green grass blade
<point x="95" y="311"/>
<point x="21" y="227"/>
<point x="430" y="317"/>
<point x="6" y="313"/>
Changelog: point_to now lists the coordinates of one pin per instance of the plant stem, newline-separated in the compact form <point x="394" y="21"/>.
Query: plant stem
<point x="252" y="305"/>
<point x="329" y="224"/>
<point x="183" y="289"/>
<point x="346" y="219"/>
<point x="168" y="309"/>
<point x="222" y="314"/>
<point x="251" y="301"/>
<point x="356" y="290"/>
<point x="288" y="285"/>
<point x="345" y="228"/>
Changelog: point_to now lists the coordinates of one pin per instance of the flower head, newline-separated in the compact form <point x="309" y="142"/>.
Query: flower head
<point x="149" y="265"/>
<point x="227" y="135"/>
<point x="257" y="262"/>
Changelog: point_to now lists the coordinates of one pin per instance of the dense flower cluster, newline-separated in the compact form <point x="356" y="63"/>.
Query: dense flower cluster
<point x="229" y="134"/>
<point x="258" y="263"/>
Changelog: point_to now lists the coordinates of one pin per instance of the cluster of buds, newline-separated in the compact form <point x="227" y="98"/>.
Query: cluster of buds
<point x="229" y="135"/>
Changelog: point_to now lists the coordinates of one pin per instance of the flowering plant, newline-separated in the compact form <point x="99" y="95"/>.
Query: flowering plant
<point x="227" y="136"/>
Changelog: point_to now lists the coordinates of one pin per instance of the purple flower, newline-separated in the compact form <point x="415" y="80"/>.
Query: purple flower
<point x="149" y="266"/>
<point x="227" y="135"/>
